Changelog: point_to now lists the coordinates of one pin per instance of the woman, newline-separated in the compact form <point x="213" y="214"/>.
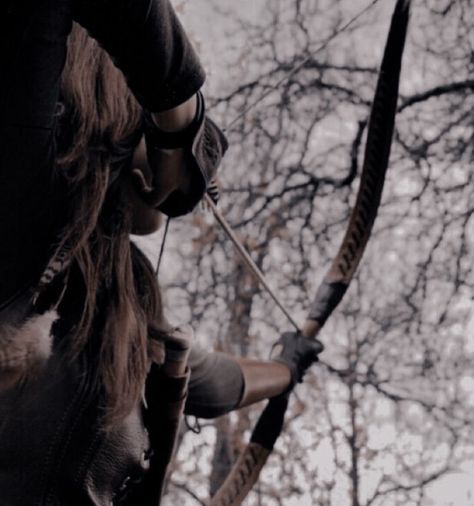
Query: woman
<point x="72" y="417"/>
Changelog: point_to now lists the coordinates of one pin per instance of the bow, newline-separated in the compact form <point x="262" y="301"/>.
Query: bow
<point x="331" y="291"/>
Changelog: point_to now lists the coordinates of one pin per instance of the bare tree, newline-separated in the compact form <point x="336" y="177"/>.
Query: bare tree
<point x="389" y="411"/>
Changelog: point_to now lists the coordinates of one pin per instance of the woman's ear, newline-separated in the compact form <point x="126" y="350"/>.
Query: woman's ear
<point x="140" y="164"/>
<point x="145" y="219"/>
<point x="139" y="181"/>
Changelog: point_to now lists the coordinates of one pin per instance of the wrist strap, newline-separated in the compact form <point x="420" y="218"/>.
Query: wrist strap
<point x="159" y="139"/>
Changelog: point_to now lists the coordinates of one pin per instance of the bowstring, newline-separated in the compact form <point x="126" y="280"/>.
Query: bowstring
<point x="162" y="247"/>
<point x="297" y="67"/>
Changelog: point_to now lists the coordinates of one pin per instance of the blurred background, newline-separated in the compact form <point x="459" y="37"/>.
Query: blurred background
<point x="387" y="417"/>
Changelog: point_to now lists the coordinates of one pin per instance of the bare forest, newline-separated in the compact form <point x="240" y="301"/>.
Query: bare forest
<point x="387" y="416"/>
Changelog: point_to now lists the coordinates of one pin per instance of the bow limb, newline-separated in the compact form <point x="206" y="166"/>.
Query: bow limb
<point x="377" y="152"/>
<point x="379" y="138"/>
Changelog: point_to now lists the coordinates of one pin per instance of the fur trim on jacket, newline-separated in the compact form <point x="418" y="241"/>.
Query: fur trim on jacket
<point x="25" y="348"/>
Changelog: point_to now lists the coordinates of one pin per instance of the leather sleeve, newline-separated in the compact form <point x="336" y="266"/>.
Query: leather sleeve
<point x="205" y="155"/>
<point x="147" y="42"/>
<point x="216" y="384"/>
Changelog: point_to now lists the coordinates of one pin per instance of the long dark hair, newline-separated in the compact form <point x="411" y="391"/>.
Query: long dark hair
<point x="99" y="126"/>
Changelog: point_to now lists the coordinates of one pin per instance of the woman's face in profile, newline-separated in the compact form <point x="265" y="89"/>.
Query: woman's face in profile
<point x="149" y="184"/>
<point x="145" y="218"/>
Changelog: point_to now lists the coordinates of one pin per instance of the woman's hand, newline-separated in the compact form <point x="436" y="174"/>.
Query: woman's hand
<point x="298" y="353"/>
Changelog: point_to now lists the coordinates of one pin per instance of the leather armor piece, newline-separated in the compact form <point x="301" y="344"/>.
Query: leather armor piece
<point x="53" y="451"/>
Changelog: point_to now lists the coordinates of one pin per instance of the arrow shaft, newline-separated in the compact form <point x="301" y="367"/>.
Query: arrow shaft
<point x="248" y="259"/>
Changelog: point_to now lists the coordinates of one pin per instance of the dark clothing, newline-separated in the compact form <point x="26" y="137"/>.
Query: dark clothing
<point x="216" y="385"/>
<point x="53" y="451"/>
<point x="145" y="40"/>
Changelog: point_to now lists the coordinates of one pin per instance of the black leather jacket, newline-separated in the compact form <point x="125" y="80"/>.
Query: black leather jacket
<point x="145" y="40"/>
<point x="53" y="451"/>
<point x="53" y="448"/>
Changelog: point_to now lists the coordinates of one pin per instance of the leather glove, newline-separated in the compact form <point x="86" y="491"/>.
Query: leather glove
<point x="297" y="352"/>
<point x="202" y="145"/>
